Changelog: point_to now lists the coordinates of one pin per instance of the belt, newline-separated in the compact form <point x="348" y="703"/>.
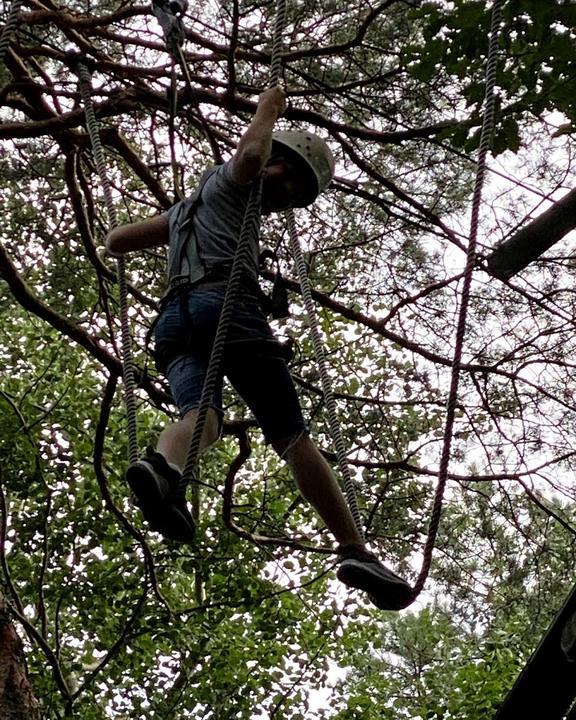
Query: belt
<point x="183" y="282"/>
<point x="216" y="278"/>
<point x="218" y="273"/>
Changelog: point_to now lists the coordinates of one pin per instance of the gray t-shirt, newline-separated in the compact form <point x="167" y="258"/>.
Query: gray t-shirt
<point x="215" y="227"/>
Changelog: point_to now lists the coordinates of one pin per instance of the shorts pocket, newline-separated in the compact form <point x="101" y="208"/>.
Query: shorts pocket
<point x="169" y="334"/>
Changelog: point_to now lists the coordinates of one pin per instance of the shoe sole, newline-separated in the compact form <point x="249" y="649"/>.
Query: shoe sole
<point x="161" y="516"/>
<point x="387" y="593"/>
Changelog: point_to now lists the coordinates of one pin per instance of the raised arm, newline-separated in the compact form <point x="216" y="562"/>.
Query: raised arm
<point x="254" y="147"/>
<point x="138" y="235"/>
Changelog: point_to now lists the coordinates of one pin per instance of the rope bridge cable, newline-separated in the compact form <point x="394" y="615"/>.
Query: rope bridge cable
<point x="250" y="227"/>
<point x="327" y="391"/>
<point x="85" y="81"/>
<point x="9" y="27"/>
<point x="485" y="142"/>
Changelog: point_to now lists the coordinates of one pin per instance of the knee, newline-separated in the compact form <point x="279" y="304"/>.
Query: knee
<point x="290" y="447"/>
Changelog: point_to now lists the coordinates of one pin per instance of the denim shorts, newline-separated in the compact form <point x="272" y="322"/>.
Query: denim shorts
<point x="253" y="361"/>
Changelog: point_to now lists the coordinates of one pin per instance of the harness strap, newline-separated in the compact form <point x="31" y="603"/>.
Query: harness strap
<point x="185" y="244"/>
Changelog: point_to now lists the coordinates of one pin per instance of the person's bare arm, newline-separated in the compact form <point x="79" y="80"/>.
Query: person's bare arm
<point x="248" y="162"/>
<point x="254" y="146"/>
<point x="138" y="235"/>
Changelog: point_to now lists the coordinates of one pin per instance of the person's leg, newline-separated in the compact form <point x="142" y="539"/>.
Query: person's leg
<point x="263" y="380"/>
<point x="317" y="484"/>
<point x="174" y="440"/>
<point x="156" y="478"/>
<point x="358" y="568"/>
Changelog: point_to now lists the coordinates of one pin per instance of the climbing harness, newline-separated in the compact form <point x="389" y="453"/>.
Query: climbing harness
<point x="485" y="142"/>
<point x="85" y="82"/>
<point x="169" y="14"/>
<point x="9" y="27"/>
<point x="185" y="248"/>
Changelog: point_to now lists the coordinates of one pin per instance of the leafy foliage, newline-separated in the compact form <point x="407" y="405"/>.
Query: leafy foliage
<point x="120" y="624"/>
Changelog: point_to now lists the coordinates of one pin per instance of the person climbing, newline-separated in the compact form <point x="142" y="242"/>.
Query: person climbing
<point x="202" y="233"/>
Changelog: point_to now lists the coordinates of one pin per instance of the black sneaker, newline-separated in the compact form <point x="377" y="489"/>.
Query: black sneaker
<point x="154" y="484"/>
<point x="362" y="570"/>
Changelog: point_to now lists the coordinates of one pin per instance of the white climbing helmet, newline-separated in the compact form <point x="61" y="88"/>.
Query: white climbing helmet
<point x="317" y="157"/>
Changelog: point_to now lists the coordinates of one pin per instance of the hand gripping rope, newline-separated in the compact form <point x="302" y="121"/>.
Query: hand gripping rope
<point x="485" y="142"/>
<point x="85" y="82"/>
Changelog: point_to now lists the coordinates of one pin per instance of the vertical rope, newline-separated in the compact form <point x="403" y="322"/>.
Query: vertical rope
<point x="329" y="399"/>
<point x="331" y="410"/>
<point x="127" y="361"/>
<point x="9" y="27"/>
<point x="250" y="227"/>
<point x="276" y="57"/>
<point x="485" y="142"/>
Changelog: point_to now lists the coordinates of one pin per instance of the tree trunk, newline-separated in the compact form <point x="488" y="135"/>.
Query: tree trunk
<point x="17" y="701"/>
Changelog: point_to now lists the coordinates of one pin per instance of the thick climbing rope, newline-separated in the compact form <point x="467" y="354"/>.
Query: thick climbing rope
<point x="250" y="227"/>
<point x="85" y="82"/>
<point x="484" y="147"/>
<point x="329" y="399"/>
<point x="9" y="27"/>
